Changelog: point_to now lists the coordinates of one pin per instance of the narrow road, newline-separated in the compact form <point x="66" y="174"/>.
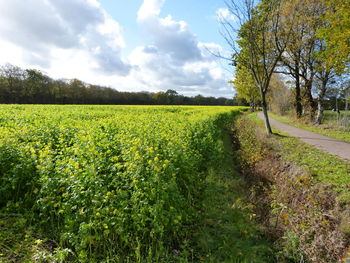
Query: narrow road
<point x="324" y="143"/>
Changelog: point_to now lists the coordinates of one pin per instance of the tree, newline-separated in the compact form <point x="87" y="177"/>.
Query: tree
<point x="12" y="82"/>
<point x="245" y="86"/>
<point x="262" y="38"/>
<point x="308" y="58"/>
<point x="77" y="91"/>
<point x="172" y="96"/>
<point x="279" y="96"/>
<point x="161" y="98"/>
<point x="33" y="86"/>
<point x="36" y="87"/>
<point x="298" y="58"/>
<point x="336" y="34"/>
<point x="324" y="75"/>
<point x="347" y="95"/>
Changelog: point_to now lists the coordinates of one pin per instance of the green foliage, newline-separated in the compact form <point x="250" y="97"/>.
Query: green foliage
<point x="245" y="85"/>
<point x="31" y="86"/>
<point x="20" y="241"/>
<point x="336" y="34"/>
<point x="111" y="183"/>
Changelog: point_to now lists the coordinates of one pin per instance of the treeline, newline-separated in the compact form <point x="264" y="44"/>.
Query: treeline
<point x="31" y="86"/>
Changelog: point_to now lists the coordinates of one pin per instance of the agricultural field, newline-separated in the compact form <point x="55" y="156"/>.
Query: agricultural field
<point x="104" y="183"/>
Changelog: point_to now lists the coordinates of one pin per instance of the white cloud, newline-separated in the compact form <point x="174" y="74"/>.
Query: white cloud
<point x="175" y="59"/>
<point x="39" y="27"/>
<point x="223" y="14"/>
<point x="79" y="39"/>
<point x="149" y="8"/>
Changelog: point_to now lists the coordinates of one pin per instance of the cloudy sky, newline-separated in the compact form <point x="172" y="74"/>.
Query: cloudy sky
<point x="135" y="45"/>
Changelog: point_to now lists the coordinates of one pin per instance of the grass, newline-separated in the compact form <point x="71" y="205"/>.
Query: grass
<point x="229" y="232"/>
<point x="330" y="127"/>
<point x="321" y="165"/>
<point x="332" y="118"/>
<point x="308" y="186"/>
<point x="22" y="241"/>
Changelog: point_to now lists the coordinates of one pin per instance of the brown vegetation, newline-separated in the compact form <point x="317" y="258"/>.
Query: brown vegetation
<point x="302" y="214"/>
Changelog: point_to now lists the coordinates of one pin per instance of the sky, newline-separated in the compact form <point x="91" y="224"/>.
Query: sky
<point x="135" y="45"/>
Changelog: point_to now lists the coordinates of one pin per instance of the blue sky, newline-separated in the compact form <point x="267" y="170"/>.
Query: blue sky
<point x="148" y="45"/>
<point x="200" y="15"/>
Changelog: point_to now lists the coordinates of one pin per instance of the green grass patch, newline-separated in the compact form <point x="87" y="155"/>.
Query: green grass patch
<point x="23" y="241"/>
<point x="229" y="232"/>
<point x="321" y="165"/>
<point x="335" y="119"/>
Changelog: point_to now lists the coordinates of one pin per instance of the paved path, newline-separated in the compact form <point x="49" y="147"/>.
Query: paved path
<point x="324" y="143"/>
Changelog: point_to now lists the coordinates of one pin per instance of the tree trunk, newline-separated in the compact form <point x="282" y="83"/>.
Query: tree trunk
<point x="320" y="110"/>
<point x="252" y="105"/>
<point x="310" y="99"/>
<point x="266" y="116"/>
<point x="320" y="98"/>
<point x="298" y="106"/>
<point x="252" y="108"/>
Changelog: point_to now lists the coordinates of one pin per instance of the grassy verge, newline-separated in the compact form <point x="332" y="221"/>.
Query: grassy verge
<point x="308" y="194"/>
<point x="322" y="166"/>
<point x="330" y="130"/>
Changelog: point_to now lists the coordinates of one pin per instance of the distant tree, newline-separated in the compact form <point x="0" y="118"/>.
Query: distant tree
<point x="347" y="97"/>
<point x="33" y="86"/>
<point x="161" y="98"/>
<point x="245" y="86"/>
<point x="324" y="76"/>
<point x="37" y="87"/>
<point x="199" y="100"/>
<point x="77" y="91"/>
<point x="12" y="82"/>
<point x="172" y="96"/>
<point x="228" y="102"/>
<point x="279" y="96"/>
<point x="238" y="101"/>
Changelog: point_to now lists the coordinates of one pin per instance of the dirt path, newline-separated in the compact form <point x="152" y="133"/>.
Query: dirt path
<point x="324" y="143"/>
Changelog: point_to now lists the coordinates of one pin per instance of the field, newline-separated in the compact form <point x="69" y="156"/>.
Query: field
<point x="105" y="183"/>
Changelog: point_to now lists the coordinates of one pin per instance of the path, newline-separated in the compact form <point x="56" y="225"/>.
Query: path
<point x="324" y="143"/>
